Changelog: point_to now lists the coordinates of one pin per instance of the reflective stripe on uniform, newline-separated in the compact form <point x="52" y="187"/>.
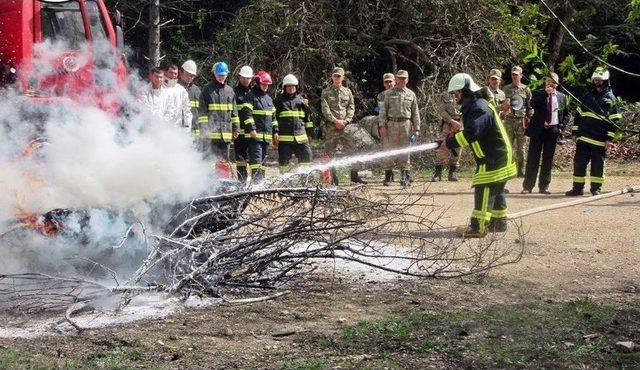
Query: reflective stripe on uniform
<point x="579" y="179"/>
<point x="291" y="114"/>
<point x="615" y="116"/>
<point x="259" y="112"/>
<point x="308" y="124"/>
<point x="220" y="107"/>
<point x="460" y="139"/>
<point x="611" y="134"/>
<point x="220" y="136"/>
<point x="498" y="213"/>
<point x="245" y="105"/>
<point x="591" y="141"/>
<point x="477" y="150"/>
<point x="590" y="115"/>
<point x="291" y="138"/>
<point x="501" y="174"/>
<point x="203" y="119"/>
<point x="597" y="180"/>
<point x="194" y="104"/>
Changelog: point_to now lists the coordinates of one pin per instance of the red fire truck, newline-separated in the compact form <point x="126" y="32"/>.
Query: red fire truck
<point x="74" y="68"/>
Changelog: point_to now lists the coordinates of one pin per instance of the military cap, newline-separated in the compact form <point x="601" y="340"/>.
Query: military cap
<point x="402" y="73"/>
<point x="495" y="73"/>
<point x="516" y="69"/>
<point x="338" y="71"/>
<point x="388" y="77"/>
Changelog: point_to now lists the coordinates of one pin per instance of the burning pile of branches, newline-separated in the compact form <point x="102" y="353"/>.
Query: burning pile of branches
<point x="262" y="239"/>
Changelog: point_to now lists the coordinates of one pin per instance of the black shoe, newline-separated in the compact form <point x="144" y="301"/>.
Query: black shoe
<point x="437" y="174"/>
<point x="452" y="173"/>
<point x="596" y="192"/>
<point x="355" y="178"/>
<point x="542" y="191"/>
<point x="574" y="193"/>
<point x="525" y="191"/>
<point x="388" y="178"/>
<point x="497" y="226"/>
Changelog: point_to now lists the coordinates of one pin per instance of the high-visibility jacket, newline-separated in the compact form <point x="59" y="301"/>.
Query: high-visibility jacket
<point x="595" y="119"/>
<point x="294" y="119"/>
<point x="263" y="112"/>
<point x="194" y="102"/>
<point x="484" y="133"/>
<point x="218" y="113"/>
<point x="244" y="107"/>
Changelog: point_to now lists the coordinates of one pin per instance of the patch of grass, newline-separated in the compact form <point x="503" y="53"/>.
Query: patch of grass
<point x="525" y="335"/>
<point x="307" y="364"/>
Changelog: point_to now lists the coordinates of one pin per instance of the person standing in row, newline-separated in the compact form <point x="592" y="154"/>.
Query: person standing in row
<point x="187" y="74"/>
<point x="399" y="119"/>
<point x="517" y="112"/>
<point x="594" y="130"/>
<point x="179" y="109"/>
<point x="338" y="109"/>
<point x="293" y="132"/>
<point x="240" y="145"/>
<point x="548" y="121"/>
<point x="218" y="119"/>
<point x="259" y="130"/>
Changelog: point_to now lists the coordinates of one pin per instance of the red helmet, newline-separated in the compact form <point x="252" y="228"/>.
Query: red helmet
<point x="264" y="78"/>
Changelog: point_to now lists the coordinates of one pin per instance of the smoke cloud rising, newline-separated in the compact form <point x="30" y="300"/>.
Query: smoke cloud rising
<point x="110" y="169"/>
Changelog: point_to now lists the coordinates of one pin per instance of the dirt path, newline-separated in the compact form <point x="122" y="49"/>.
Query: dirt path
<point x="590" y="250"/>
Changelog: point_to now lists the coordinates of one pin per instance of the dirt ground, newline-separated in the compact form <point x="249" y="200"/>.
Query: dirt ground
<point x="580" y="264"/>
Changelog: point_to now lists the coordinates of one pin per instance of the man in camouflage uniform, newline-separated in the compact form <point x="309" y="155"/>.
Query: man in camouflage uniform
<point x="399" y="118"/>
<point x="338" y="109"/>
<point x="450" y="123"/>
<point x="388" y="82"/>
<point x="495" y="78"/>
<point x="517" y="111"/>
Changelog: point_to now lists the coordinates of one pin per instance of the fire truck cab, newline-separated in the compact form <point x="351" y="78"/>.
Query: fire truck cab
<point x="75" y="28"/>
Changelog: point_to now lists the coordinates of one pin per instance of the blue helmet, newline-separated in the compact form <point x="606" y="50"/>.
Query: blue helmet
<point x="221" y="69"/>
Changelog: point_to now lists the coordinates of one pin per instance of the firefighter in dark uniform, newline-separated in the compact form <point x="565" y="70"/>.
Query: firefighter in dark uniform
<point x="187" y="74"/>
<point x="259" y="131"/>
<point x="594" y="130"/>
<point x="292" y="134"/>
<point x="484" y="133"/>
<point x="218" y="119"/>
<point x="240" y="145"/>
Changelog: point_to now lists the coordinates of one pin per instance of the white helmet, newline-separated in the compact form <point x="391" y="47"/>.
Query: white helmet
<point x="246" y="72"/>
<point x="600" y="74"/>
<point x="190" y="67"/>
<point x="460" y="81"/>
<point x="289" y="80"/>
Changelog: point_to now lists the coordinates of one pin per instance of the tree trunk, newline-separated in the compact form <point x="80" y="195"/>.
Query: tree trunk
<point x="154" y="33"/>
<point x="556" y="32"/>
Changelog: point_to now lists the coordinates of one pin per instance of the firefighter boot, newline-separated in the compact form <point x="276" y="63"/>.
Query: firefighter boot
<point x="437" y="174"/>
<point x="355" y="178"/>
<point x="452" y="173"/>
<point x="334" y="177"/>
<point x="257" y="176"/>
<point x="576" y="191"/>
<point x="596" y="190"/>
<point x="405" y="178"/>
<point x="497" y="225"/>
<point x="388" y="178"/>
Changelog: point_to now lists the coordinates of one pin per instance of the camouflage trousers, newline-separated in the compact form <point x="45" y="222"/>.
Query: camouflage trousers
<point x="341" y="143"/>
<point x="515" y="132"/>
<point x="397" y="137"/>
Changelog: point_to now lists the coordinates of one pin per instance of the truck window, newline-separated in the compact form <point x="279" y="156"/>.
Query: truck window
<point x="63" y="22"/>
<point x="95" y="21"/>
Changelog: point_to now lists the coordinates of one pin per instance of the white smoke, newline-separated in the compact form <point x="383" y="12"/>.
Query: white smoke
<point x="116" y="168"/>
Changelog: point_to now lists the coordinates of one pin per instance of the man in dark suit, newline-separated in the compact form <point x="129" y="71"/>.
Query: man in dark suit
<point x="548" y="121"/>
